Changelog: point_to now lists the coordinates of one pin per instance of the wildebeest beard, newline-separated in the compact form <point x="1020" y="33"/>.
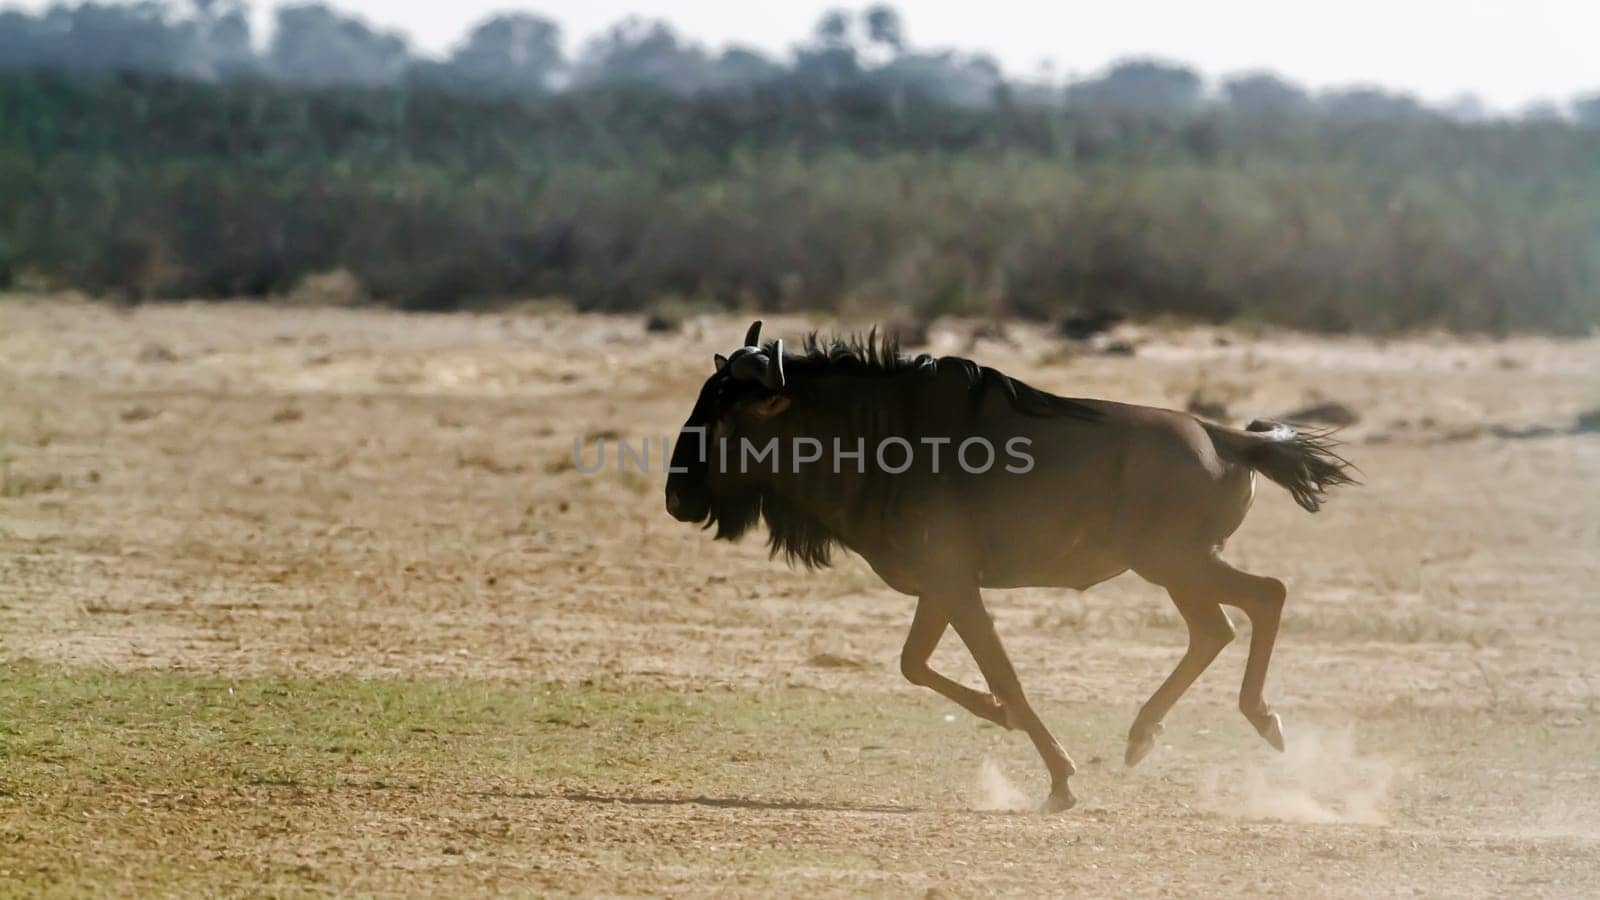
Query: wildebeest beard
<point x="791" y="531"/>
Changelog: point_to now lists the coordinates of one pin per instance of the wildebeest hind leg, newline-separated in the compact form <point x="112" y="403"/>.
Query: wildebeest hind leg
<point x="927" y="627"/>
<point x="1209" y="632"/>
<point x="1261" y="599"/>
<point x="1197" y="586"/>
<point x="971" y="620"/>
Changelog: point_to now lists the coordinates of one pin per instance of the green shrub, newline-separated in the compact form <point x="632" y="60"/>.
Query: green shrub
<point x="779" y="198"/>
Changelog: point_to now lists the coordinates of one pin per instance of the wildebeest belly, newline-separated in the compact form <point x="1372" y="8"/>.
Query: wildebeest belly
<point x="1046" y="539"/>
<point x="1070" y="564"/>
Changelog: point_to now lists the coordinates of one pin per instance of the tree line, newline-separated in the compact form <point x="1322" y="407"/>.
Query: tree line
<point x="862" y="175"/>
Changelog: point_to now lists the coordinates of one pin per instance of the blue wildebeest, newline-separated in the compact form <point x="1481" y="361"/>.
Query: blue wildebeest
<point x="899" y="460"/>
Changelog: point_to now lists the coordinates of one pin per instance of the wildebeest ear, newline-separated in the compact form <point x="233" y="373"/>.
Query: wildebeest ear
<point x="770" y="406"/>
<point x="720" y="361"/>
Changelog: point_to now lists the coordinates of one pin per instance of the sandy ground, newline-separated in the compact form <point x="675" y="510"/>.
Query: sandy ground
<point x="244" y="490"/>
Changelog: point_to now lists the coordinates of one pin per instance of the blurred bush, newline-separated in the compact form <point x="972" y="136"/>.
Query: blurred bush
<point x="925" y="185"/>
<point x="336" y="288"/>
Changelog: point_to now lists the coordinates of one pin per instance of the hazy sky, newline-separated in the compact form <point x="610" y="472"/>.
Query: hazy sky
<point x="1508" y="53"/>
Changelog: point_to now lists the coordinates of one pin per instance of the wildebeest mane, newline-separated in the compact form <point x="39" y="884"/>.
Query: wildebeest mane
<point x="796" y="534"/>
<point x="877" y="354"/>
<point x="732" y="513"/>
<point x="874" y="354"/>
<point x="793" y="531"/>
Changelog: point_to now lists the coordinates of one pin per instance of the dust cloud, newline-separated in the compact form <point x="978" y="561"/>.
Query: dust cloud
<point x="993" y="792"/>
<point x="1322" y="777"/>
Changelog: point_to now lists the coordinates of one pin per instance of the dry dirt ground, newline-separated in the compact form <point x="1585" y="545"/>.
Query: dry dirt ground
<point x="314" y="600"/>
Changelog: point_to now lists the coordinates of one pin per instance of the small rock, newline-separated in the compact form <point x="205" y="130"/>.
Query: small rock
<point x="1328" y="412"/>
<point x="1512" y="432"/>
<point x="835" y="661"/>
<point x="907" y="330"/>
<point x="657" y="323"/>
<point x="1207" y="407"/>
<point x="1084" y="325"/>
<point x="992" y="331"/>
<point x="155" y="352"/>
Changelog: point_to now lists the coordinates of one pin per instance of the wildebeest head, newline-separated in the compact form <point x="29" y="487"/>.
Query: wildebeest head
<point x="742" y="396"/>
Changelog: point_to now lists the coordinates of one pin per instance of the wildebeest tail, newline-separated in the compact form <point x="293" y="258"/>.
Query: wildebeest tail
<point x="1303" y="462"/>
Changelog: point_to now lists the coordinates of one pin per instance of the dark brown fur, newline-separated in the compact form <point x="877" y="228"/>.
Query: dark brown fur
<point x="1113" y="487"/>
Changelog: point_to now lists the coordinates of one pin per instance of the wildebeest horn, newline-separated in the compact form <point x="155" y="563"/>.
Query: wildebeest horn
<point x="754" y="334"/>
<point x="750" y="364"/>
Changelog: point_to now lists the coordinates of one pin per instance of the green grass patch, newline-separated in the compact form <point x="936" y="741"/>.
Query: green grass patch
<point x="174" y="783"/>
<point x="182" y="783"/>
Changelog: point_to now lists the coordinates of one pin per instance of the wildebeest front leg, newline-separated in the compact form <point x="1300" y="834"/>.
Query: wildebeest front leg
<point x="971" y="620"/>
<point x="927" y="627"/>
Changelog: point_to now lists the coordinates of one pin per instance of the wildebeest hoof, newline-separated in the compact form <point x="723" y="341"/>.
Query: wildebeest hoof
<point x="1141" y="740"/>
<point x="1060" y="800"/>
<point x="1270" y="727"/>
